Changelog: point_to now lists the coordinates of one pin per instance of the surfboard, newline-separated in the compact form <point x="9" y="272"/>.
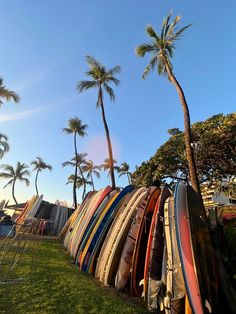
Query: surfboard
<point x="70" y="232"/>
<point x="175" y="286"/>
<point x="204" y="255"/>
<point x="155" y="262"/>
<point x="109" y="249"/>
<point x="92" y="207"/>
<point x="92" y="223"/>
<point x="94" y="227"/>
<point x="101" y="233"/>
<point x="82" y="222"/>
<point x="138" y="261"/>
<point x="184" y="240"/>
<point x="113" y="252"/>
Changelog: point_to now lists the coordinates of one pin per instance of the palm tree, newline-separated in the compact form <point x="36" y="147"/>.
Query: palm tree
<point x="101" y="77"/>
<point x="80" y="162"/>
<point x="75" y="127"/>
<point x="20" y="173"/>
<point x="106" y="166"/>
<point x="161" y="47"/>
<point x="4" y="146"/>
<point x="124" y="170"/>
<point x="39" y="165"/>
<point x="7" y="94"/>
<point x="91" y="169"/>
<point x="80" y="181"/>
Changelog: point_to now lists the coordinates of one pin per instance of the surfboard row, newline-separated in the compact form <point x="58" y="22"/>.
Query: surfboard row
<point x="150" y="242"/>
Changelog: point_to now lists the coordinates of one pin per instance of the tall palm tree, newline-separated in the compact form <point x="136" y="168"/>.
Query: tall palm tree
<point x="4" y="146"/>
<point x="39" y="165"/>
<point x="124" y="170"/>
<point x="106" y="166"/>
<point x="91" y="169"/>
<point x="161" y="47"/>
<point x="80" y="163"/>
<point x="75" y="127"/>
<point x="7" y="94"/>
<point x="100" y="79"/>
<point x="20" y="173"/>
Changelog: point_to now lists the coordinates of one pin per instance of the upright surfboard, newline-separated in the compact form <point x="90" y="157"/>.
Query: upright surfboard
<point x="125" y="265"/>
<point x="155" y="261"/>
<point x="185" y="246"/>
<point x="204" y="256"/>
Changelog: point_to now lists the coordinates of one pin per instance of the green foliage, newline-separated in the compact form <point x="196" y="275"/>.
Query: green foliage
<point x="162" y="45"/>
<point x="39" y="164"/>
<point x="56" y="286"/>
<point x="20" y="172"/>
<point x="76" y="126"/>
<point x="107" y="167"/>
<point x="4" y="146"/>
<point x="7" y="94"/>
<point x="214" y="146"/>
<point x="100" y="78"/>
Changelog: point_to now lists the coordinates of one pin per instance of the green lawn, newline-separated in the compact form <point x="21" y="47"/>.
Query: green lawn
<point x="56" y="286"/>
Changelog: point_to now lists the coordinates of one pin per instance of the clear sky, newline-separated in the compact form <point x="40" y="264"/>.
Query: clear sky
<point x="43" y="49"/>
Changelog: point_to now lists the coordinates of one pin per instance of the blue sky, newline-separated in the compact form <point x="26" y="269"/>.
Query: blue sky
<point x="43" y="49"/>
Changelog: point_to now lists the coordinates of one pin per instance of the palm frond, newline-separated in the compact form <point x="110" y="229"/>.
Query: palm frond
<point x="92" y="62"/>
<point x="68" y="163"/>
<point x="110" y="91"/>
<point x="5" y="175"/>
<point x="7" y="94"/>
<point x="8" y="168"/>
<point x="26" y="181"/>
<point x="113" y="80"/>
<point x="114" y="70"/>
<point x="179" y="33"/>
<point x="150" y="31"/>
<point x="8" y="183"/>
<point x="85" y="85"/>
<point x="143" y="49"/>
<point x="97" y="174"/>
<point x="67" y="130"/>
<point x="146" y="71"/>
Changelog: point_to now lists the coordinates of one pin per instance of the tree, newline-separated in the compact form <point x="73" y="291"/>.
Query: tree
<point x="106" y="166"/>
<point x="4" y="146"/>
<point x="39" y="165"/>
<point x="91" y="170"/>
<point x="80" y="181"/>
<point x="124" y="170"/>
<point x="20" y="173"/>
<point x="101" y="77"/>
<point x="7" y="94"/>
<point x="75" y="127"/>
<point x="80" y="162"/>
<point x="161" y="48"/>
<point x="214" y="143"/>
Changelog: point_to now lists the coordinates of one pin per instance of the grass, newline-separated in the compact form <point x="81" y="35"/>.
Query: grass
<point x="54" y="285"/>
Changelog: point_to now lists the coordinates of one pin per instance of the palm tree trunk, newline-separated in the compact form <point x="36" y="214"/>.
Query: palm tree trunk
<point x="35" y="182"/>
<point x="91" y="174"/>
<point x="187" y="133"/>
<point x="84" y="191"/>
<point x="13" y="193"/>
<point x="76" y="170"/>
<point x="128" y="178"/>
<point x="113" y="184"/>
